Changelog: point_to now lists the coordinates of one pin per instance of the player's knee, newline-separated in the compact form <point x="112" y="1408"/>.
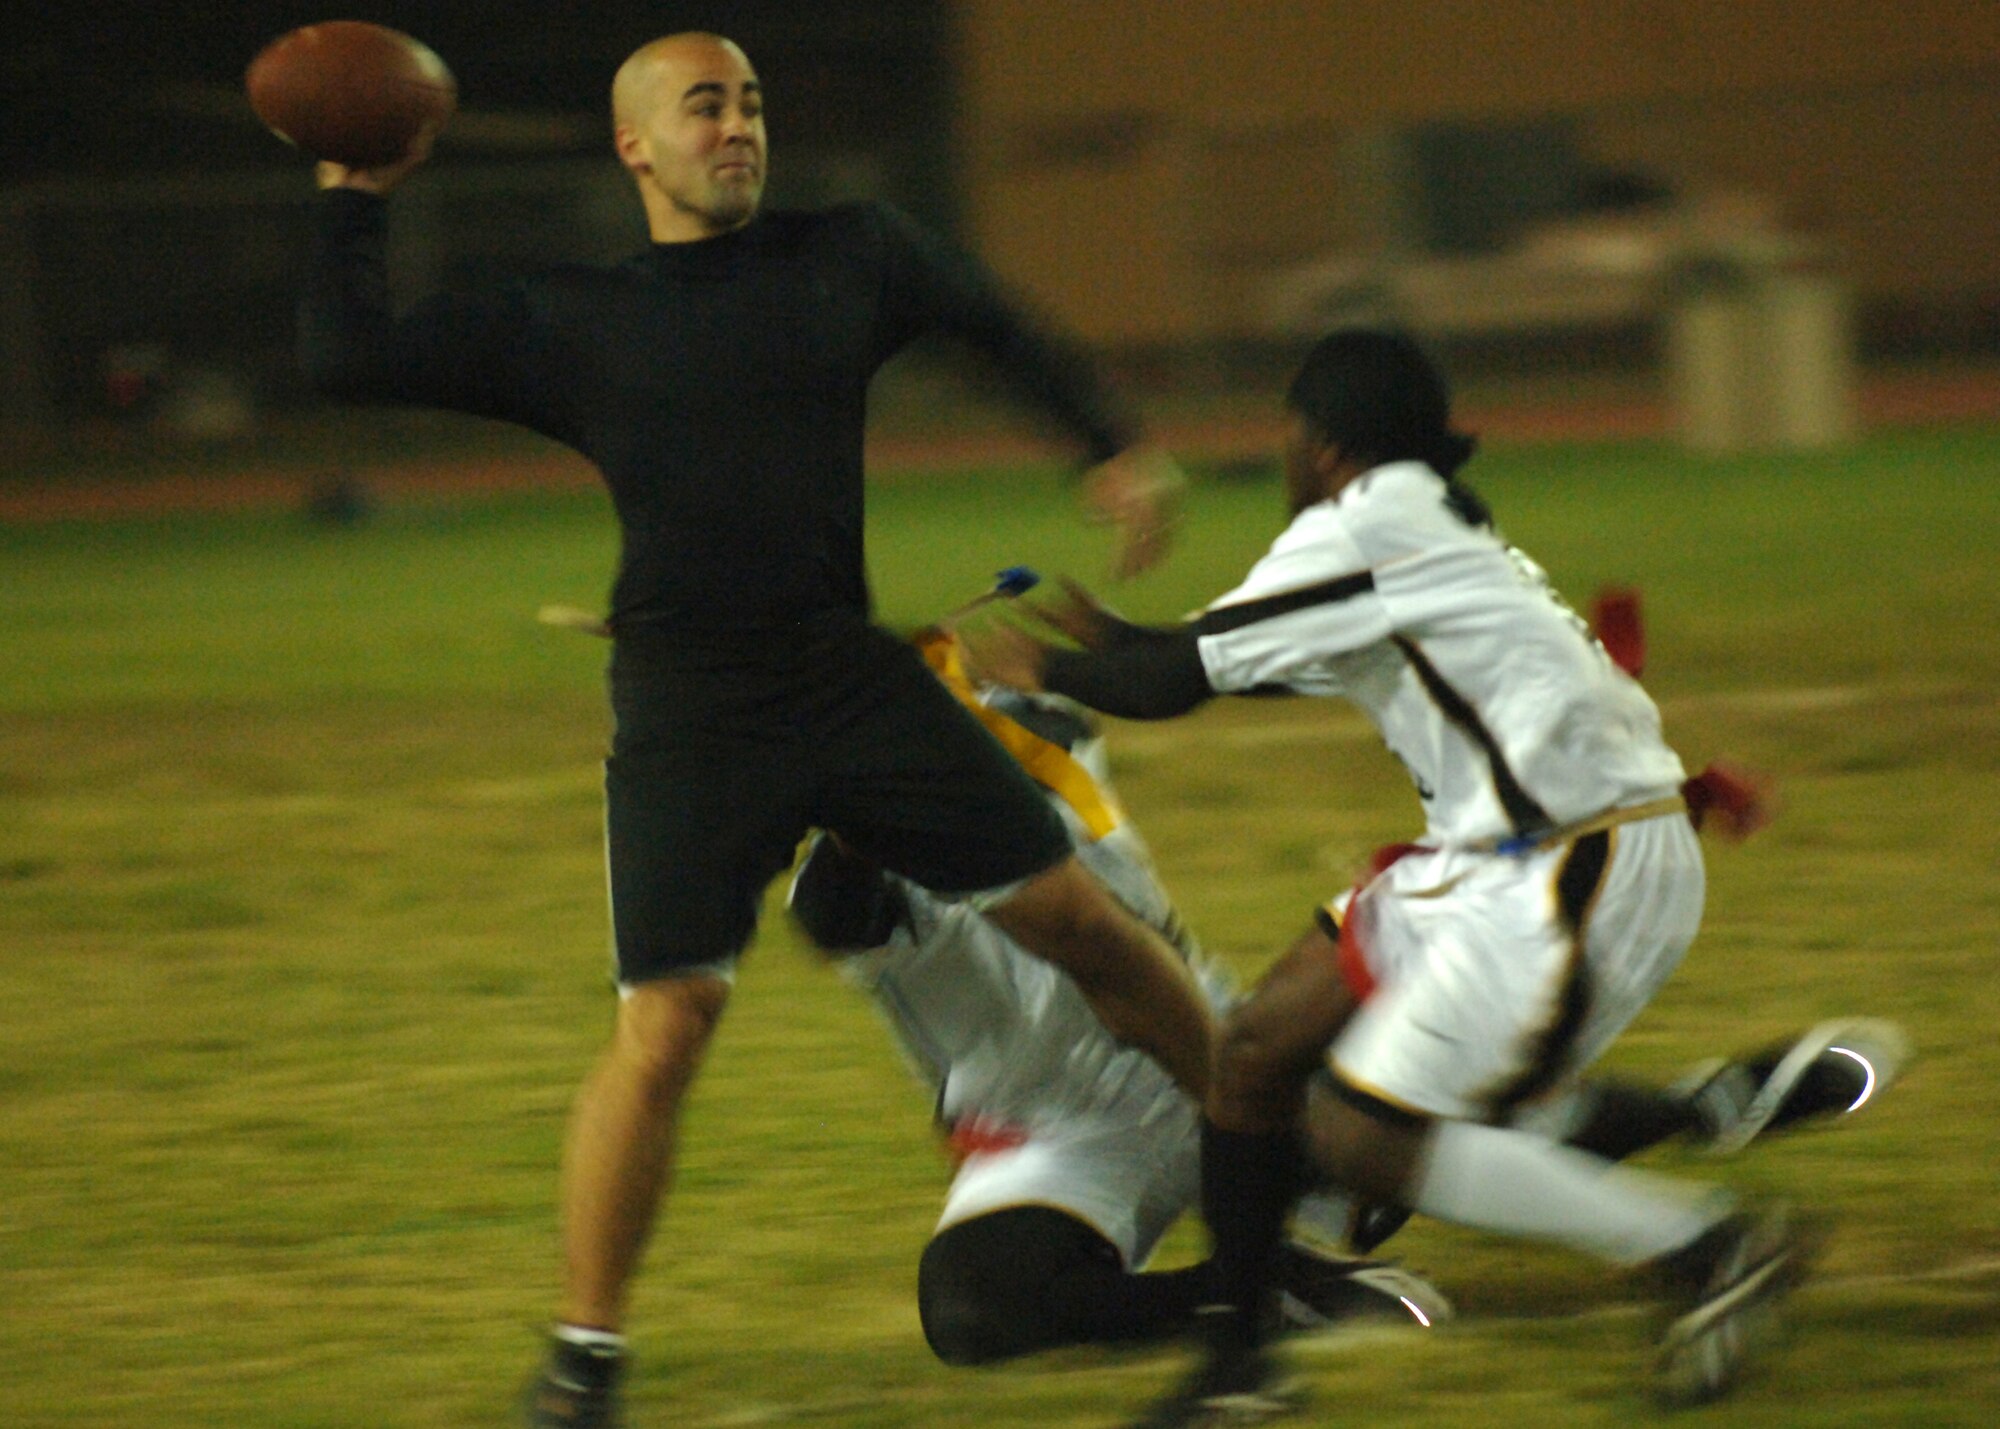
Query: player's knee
<point x="664" y="1029"/>
<point x="1251" y="1066"/>
<point x="1370" y="1149"/>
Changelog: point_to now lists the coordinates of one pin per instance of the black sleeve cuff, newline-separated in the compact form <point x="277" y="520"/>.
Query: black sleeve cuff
<point x="1148" y="674"/>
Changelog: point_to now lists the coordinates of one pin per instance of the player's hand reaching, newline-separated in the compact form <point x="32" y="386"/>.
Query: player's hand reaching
<point x="1002" y="651"/>
<point x="1140" y="492"/>
<point x="998" y="652"/>
<point x="1078" y="614"/>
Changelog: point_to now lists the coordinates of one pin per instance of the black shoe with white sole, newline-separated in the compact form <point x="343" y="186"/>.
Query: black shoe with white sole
<point x="1836" y="1068"/>
<point x="577" y="1389"/>
<point x="1723" y="1294"/>
<point x="1318" y="1292"/>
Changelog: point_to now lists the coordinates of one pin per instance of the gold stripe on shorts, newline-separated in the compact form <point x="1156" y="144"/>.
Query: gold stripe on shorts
<point x="1579" y="880"/>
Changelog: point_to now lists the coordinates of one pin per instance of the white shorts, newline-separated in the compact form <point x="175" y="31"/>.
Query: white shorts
<point x="1486" y="997"/>
<point x="1128" y="1182"/>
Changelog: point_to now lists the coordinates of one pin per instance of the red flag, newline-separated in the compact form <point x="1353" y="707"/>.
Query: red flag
<point x="1616" y="622"/>
<point x="1739" y="799"/>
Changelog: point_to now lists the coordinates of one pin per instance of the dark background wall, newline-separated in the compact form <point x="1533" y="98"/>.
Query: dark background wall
<point x="119" y="87"/>
<point x="1142" y="170"/>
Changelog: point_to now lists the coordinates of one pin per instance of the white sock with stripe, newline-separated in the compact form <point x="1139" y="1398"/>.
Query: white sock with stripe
<point x="1520" y="1184"/>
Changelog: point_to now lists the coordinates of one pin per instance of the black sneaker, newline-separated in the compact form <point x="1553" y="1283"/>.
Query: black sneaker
<point x="1835" y="1068"/>
<point x="1242" y="1386"/>
<point x="1374" y="1222"/>
<point x="1723" y="1292"/>
<point x="577" y="1389"/>
<point x="1317" y="1292"/>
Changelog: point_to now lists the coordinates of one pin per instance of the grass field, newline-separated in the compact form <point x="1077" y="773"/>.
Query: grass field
<point x="302" y="954"/>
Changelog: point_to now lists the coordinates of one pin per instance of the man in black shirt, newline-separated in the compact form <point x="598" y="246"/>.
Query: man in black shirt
<point x="719" y="383"/>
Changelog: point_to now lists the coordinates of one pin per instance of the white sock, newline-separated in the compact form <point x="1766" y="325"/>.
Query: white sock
<point x="1326" y="1214"/>
<point x="598" y="1342"/>
<point x="1558" y="1118"/>
<point x="1520" y="1184"/>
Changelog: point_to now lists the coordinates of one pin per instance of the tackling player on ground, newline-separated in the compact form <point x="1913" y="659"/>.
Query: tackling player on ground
<point x="1075" y="1154"/>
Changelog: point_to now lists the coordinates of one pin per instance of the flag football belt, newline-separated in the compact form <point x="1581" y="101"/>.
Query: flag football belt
<point x="1595" y="824"/>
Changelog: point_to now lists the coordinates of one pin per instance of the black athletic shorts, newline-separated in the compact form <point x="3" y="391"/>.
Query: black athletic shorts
<point x="724" y="756"/>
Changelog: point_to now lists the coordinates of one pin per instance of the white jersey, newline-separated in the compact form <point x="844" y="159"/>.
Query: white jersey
<point x="1057" y="1111"/>
<point x="1508" y="715"/>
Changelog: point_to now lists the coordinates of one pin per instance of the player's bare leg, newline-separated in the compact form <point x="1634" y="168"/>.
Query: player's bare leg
<point x="1274" y="1040"/>
<point x="1140" y="989"/>
<point x="617" y="1161"/>
<point x="622" y="1134"/>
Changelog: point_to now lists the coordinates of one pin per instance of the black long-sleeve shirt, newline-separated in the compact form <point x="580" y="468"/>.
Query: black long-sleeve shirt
<point x="719" y="386"/>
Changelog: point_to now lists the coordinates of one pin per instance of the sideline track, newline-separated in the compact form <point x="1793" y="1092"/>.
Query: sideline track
<point x="1898" y="400"/>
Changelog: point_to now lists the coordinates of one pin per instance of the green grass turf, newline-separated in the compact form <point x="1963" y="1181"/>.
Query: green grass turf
<point x="301" y="955"/>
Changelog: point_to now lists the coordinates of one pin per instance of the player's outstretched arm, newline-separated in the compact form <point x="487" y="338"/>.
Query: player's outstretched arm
<point x="463" y="350"/>
<point x="1127" y="670"/>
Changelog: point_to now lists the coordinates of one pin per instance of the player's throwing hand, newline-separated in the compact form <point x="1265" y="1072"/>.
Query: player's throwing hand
<point x="381" y="178"/>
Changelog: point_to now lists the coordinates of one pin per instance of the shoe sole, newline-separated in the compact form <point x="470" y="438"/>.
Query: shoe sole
<point x="1260" y="1407"/>
<point x="1326" y="1294"/>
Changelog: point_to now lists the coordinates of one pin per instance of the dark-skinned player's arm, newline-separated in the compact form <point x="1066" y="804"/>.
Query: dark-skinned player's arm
<point x="1119" y="668"/>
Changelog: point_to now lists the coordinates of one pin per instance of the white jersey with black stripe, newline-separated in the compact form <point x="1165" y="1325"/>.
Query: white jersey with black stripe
<point x="1506" y="712"/>
<point x="1004" y="1036"/>
<point x="1045" y="1106"/>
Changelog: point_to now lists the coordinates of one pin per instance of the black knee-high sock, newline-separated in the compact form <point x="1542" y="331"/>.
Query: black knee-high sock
<point x="1626" y="1119"/>
<point x="1249" y="1181"/>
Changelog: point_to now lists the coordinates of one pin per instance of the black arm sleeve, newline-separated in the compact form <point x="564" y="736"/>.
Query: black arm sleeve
<point x="344" y="319"/>
<point x="462" y="352"/>
<point x="933" y="286"/>
<point x="1142" y="673"/>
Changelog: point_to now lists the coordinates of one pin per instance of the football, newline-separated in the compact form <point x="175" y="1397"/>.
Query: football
<point x="345" y="90"/>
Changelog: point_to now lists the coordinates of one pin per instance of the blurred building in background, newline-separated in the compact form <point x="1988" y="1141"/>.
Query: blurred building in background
<point x="1157" y="172"/>
<point x="1735" y="192"/>
<point x="1742" y="191"/>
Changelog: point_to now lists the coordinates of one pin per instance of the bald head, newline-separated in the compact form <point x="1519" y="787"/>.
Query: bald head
<point x="688" y="120"/>
<point x="650" y="73"/>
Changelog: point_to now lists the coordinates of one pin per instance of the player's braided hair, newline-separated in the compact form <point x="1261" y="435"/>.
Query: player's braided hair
<point x="1378" y="396"/>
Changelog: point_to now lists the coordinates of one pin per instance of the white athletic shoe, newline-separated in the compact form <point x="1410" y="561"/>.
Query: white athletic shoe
<point x="1836" y="1068"/>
